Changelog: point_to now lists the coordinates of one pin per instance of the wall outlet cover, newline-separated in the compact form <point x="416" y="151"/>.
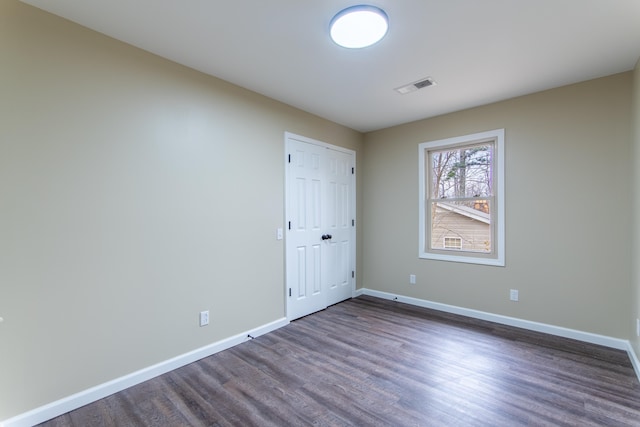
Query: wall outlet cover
<point x="204" y="318"/>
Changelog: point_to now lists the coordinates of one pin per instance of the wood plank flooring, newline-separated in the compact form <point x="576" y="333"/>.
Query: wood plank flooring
<point x="372" y="362"/>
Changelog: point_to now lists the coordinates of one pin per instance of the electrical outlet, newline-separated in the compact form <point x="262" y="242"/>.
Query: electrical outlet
<point x="412" y="279"/>
<point x="513" y="295"/>
<point x="204" y="318"/>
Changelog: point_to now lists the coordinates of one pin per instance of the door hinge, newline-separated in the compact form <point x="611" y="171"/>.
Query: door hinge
<point x="289" y="225"/>
<point x="289" y="158"/>
<point x="289" y="291"/>
<point x="353" y="171"/>
<point x="353" y="274"/>
<point x="353" y="222"/>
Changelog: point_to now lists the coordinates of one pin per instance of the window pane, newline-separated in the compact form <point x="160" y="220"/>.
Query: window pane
<point x="462" y="171"/>
<point x="461" y="181"/>
<point x="468" y="221"/>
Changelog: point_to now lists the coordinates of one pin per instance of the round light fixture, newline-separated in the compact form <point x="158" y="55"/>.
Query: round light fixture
<point x="359" y="26"/>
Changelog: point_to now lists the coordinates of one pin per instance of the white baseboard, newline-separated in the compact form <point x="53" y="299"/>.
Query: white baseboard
<point x="98" y="392"/>
<point x="603" y="340"/>
<point x="634" y="359"/>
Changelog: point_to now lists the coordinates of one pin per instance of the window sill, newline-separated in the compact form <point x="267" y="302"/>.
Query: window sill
<point x="468" y="259"/>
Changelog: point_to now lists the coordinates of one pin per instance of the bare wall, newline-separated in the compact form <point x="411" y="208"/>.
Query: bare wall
<point x="635" y="283"/>
<point x="134" y="193"/>
<point x="568" y="210"/>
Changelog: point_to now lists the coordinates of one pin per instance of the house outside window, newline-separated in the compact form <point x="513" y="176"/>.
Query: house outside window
<point x="462" y="198"/>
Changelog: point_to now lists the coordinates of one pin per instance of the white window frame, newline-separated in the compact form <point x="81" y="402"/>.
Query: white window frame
<point x="497" y="256"/>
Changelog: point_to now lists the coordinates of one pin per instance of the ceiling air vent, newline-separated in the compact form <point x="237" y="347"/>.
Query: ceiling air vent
<point x="412" y="87"/>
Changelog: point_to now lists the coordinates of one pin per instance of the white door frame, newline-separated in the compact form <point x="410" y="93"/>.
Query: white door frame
<point x="291" y="136"/>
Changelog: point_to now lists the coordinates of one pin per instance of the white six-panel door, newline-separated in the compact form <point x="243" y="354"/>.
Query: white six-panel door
<point x="304" y="229"/>
<point x="339" y="225"/>
<point x="320" y="225"/>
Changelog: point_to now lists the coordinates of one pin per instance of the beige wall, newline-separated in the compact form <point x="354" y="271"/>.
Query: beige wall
<point x="567" y="209"/>
<point x="134" y="193"/>
<point x="635" y="265"/>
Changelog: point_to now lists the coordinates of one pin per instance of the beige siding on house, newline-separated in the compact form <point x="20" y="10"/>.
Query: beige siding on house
<point x="475" y="235"/>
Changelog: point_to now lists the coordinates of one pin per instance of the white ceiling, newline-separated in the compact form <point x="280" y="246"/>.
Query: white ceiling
<point x="478" y="51"/>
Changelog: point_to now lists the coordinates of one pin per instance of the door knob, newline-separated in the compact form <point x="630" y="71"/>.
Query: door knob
<point x="326" y="236"/>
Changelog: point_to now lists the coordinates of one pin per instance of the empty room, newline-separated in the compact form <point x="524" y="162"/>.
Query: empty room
<point x="219" y="213"/>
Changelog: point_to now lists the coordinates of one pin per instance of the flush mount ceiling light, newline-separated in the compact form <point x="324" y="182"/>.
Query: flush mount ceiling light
<point x="359" y="26"/>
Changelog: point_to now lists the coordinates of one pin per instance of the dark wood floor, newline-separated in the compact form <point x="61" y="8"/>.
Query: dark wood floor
<point x="372" y="362"/>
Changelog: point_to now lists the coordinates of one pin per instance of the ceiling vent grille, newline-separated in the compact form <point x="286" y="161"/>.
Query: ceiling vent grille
<point x="412" y="87"/>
